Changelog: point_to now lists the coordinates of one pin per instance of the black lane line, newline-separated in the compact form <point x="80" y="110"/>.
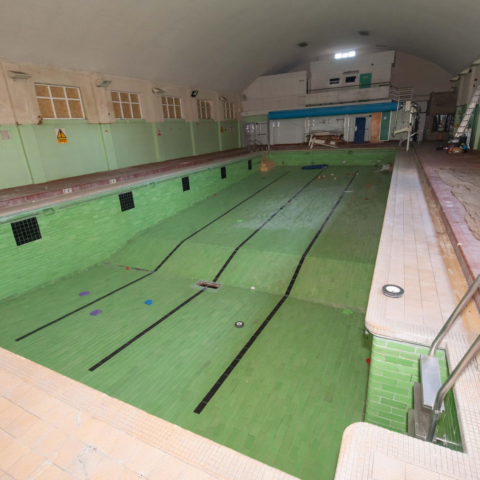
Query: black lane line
<point x="213" y="221"/>
<point x="260" y="329"/>
<point x="125" y="345"/>
<point x="143" y="332"/>
<point x="156" y="269"/>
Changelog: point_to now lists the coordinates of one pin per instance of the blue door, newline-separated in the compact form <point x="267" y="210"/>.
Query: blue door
<point x="359" y="130"/>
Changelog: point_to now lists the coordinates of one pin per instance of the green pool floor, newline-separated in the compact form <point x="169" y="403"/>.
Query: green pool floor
<point x="299" y="385"/>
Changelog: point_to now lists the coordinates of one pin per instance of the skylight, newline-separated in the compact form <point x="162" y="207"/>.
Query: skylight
<point x="345" y="54"/>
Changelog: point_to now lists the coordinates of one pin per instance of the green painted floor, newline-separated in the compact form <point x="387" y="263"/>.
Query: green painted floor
<point x="300" y="384"/>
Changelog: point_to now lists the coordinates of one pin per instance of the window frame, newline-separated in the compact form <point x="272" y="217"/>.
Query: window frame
<point x="66" y="99"/>
<point x="229" y="110"/>
<point x="166" y="105"/>
<point x="208" y="108"/>
<point x="119" y="101"/>
<point x="339" y="82"/>
<point x="355" y="82"/>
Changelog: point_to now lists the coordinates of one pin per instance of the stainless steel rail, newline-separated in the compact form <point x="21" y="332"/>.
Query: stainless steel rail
<point x="449" y="383"/>
<point x="448" y="324"/>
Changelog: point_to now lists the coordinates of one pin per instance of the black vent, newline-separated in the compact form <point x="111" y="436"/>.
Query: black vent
<point x="26" y="231"/>
<point x="126" y="201"/>
<point x="223" y="172"/>
<point x="250" y="164"/>
<point x="185" y="184"/>
<point x="303" y="44"/>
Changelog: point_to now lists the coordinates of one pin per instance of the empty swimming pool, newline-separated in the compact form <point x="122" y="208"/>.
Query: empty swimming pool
<point x="293" y="252"/>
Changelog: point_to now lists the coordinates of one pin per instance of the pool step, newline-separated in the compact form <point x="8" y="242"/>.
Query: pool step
<point x="431" y="381"/>
<point x="418" y="417"/>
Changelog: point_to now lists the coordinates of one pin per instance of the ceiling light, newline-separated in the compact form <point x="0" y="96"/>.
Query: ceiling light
<point x="222" y="99"/>
<point x="303" y="44"/>
<point x="345" y="54"/>
<point x="157" y="90"/>
<point x="103" y="83"/>
<point x="18" y="75"/>
<point x="194" y="93"/>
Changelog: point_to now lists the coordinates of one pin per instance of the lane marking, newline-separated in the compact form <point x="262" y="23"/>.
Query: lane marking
<point x="156" y="269"/>
<point x="277" y="307"/>
<point x="125" y="345"/>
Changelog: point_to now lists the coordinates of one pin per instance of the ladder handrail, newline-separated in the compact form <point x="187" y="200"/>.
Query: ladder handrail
<point x="448" y="324"/>
<point x="449" y="383"/>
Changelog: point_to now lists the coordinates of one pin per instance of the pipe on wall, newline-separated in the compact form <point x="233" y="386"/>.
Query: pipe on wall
<point x="340" y="110"/>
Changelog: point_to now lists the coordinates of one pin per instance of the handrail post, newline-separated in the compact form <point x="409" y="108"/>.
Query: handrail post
<point x="445" y="388"/>
<point x="466" y="298"/>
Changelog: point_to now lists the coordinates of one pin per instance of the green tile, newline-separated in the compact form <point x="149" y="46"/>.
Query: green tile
<point x="400" y="346"/>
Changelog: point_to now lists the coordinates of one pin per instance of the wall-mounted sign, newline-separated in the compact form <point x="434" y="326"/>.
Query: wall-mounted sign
<point x="159" y="132"/>
<point x="61" y="135"/>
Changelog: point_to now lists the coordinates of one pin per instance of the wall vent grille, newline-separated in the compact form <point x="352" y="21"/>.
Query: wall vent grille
<point x="223" y="172"/>
<point x="250" y="164"/>
<point x="26" y="231"/>
<point x="185" y="184"/>
<point x="126" y="201"/>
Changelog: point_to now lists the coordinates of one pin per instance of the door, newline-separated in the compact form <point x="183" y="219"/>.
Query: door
<point x="359" y="136"/>
<point x="261" y="133"/>
<point x="365" y="80"/>
<point x="385" y="127"/>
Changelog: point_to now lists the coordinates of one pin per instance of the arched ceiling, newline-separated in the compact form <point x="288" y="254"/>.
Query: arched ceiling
<point x="226" y="44"/>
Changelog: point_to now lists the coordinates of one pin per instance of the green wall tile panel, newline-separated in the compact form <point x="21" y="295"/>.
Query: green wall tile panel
<point x="335" y="157"/>
<point x="134" y="143"/>
<point x="13" y="165"/>
<point x="84" y="153"/>
<point x="230" y="138"/>
<point x="390" y="389"/>
<point x="175" y="140"/>
<point x="206" y="136"/>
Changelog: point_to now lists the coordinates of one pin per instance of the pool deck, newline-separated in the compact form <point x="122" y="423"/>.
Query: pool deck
<point x="467" y="247"/>
<point x="54" y="428"/>
<point x="415" y="253"/>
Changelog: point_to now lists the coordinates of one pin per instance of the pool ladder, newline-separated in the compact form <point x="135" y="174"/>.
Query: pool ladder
<point x="429" y="395"/>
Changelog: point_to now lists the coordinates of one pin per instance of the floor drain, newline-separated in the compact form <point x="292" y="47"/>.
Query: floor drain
<point x="212" y="285"/>
<point x="239" y="324"/>
<point x="393" y="291"/>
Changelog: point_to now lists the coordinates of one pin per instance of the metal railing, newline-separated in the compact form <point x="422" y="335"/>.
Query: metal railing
<point x="450" y="381"/>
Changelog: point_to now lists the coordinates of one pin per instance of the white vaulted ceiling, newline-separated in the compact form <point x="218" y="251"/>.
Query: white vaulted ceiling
<point x="226" y="44"/>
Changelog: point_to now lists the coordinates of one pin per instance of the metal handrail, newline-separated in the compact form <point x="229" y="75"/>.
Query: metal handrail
<point x="449" y="383"/>
<point x="448" y="324"/>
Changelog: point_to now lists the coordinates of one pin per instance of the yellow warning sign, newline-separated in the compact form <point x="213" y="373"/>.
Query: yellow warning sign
<point x="221" y="129"/>
<point x="61" y="135"/>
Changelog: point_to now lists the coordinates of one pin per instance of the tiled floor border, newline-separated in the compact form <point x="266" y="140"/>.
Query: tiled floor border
<point x="81" y="415"/>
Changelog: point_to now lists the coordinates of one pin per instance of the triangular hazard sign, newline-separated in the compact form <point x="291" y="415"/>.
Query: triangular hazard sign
<point x="61" y="134"/>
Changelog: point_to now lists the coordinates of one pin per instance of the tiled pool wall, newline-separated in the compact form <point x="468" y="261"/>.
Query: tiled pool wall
<point x="81" y="234"/>
<point x="394" y="368"/>
<point x="364" y="156"/>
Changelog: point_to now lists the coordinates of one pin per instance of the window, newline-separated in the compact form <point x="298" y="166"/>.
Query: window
<point x="59" y="102"/>
<point x="351" y="79"/>
<point x="172" y="107"/>
<point x="126" y="105"/>
<point x="229" y="109"/>
<point x="334" y="81"/>
<point x="204" y="109"/>
<point x="345" y="54"/>
<point x="26" y="231"/>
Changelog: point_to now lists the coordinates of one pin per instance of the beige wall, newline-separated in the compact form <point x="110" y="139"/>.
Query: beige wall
<point x="425" y="77"/>
<point x="18" y="102"/>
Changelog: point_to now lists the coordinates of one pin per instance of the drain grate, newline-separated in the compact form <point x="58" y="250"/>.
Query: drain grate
<point x="126" y="201"/>
<point x="185" y="184"/>
<point x="26" y="231"/>
<point x="212" y="285"/>
<point x="223" y="172"/>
